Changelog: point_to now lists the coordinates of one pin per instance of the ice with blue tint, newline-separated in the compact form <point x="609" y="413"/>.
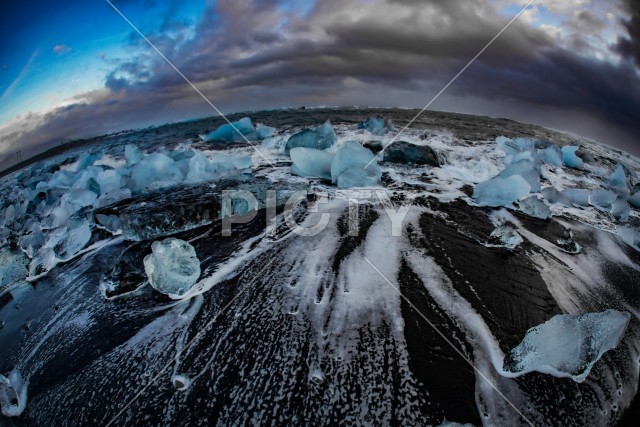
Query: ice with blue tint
<point x="527" y="169"/>
<point x="602" y="198"/>
<point x="234" y="132"/>
<point x="264" y="131"/>
<point x="319" y="138"/>
<point x="354" y="166"/>
<point x="505" y="236"/>
<point x="630" y="236"/>
<point x="634" y="200"/>
<point x="620" y="209"/>
<point x="501" y="191"/>
<point x="578" y="196"/>
<point x="551" y="155"/>
<point x="172" y="267"/>
<point x="570" y="158"/>
<point x="13" y="394"/>
<point x="377" y="125"/>
<point x="85" y="160"/>
<point x="515" y="146"/>
<point x="156" y="167"/>
<point x="312" y="163"/>
<point x="534" y="207"/>
<point x="618" y="182"/>
<point x="567" y="345"/>
<point x="132" y="154"/>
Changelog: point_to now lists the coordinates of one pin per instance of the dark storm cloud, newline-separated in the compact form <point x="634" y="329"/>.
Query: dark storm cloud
<point x="629" y="46"/>
<point x="256" y="54"/>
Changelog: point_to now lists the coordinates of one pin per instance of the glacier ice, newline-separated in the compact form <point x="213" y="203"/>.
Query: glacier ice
<point x="234" y="132"/>
<point x="568" y="345"/>
<point x="634" y="200"/>
<point x="515" y="146"/>
<point x="309" y="162"/>
<point x="551" y="155"/>
<point x="534" y="207"/>
<point x="349" y="167"/>
<point x="577" y="196"/>
<point x="172" y="267"/>
<point x="620" y="209"/>
<point x="618" y="182"/>
<point x="377" y="125"/>
<point x="319" y="138"/>
<point x="13" y="394"/>
<point x="406" y="153"/>
<point x="602" y="198"/>
<point x="570" y="158"/>
<point x="526" y="169"/>
<point x="631" y="236"/>
<point x="155" y="168"/>
<point x="500" y="191"/>
<point x="132" y="154"/>
<point x="505" y="236"/>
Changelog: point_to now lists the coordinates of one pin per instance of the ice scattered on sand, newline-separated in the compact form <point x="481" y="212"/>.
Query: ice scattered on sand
<point x="172" y="267"/>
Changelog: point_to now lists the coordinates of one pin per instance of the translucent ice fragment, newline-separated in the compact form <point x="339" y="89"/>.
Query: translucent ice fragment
<point x="351" y="168"/>
<point x="534" y="207"/>
<point x="13" y="394"/>
<point x="310" y="162"/>
<point x="133" y="155"/>
<point x="172" y="267"/>
<point x="570" y="158"/>
<point x="319" y="138"/>
<point x="500" y="191"/>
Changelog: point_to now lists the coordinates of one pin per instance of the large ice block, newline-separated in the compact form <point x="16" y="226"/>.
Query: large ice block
<point x="354" y="166"/>
<point x="310" y="162"/>
<point x="500" y="191"/>
<point x="319" y="138"/>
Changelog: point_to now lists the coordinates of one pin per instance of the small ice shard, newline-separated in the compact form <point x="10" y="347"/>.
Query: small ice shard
<point x="568" y="244"/>
<point x="570" y="158"/>
<point x="618" y="182"/>
<point x="506" y="237"/>
<point x="567" y="345"/>
<point x="351" y="168"/>
<point x="377" y="125"/>
<point x="234" y="132"/>
<point x="309" y="162"/>
<point x="534" y="207"/>
<point x="620" y="209"/>
<point x="551" y="155"/>
<point x="13" y="394"/>
<point x="406" y="153"/>
<point x="578" y="196"/>
<point x="635" y="200"/>
<point x="602" y="198"/>
<point x="172" y="267"/>
<point x="500" y="191"/>
<point x="180" y="382"/>
<point x="319" y="138"/>
<point x="526" y="169"/>
<point x="132" y="155"/>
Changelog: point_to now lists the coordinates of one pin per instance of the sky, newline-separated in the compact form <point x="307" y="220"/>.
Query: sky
<point x="77" y="69"/>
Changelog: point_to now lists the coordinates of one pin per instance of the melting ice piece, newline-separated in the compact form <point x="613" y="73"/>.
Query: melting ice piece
<point x="551" y="155"/>
<point x="570" y="158"/>
<point x="552" y="195"/>
<point x="505" y="236"/>
<point x="620" y="209"/>
<point x="577" y="196"/>
<point x="630" y="236"/>
<point x="514" y="146"/>
<point x="500" y="191"/>
<point x="235" y="132"/>
<point x="155" y="167"/>
<point x="349" y="167"/>
<point x="567" y="345"/>
<point x="377" y="125"/>
<point x="172" y="267"/>
<point x="319" y="138"/>
<point x="618" y="182"/>
<point x="534" y="207"/>
<point x="132" y="155"/>
<point x="13" y="394"/>
<point x="310" y="162"/>
<point x="526" y="169"/>
<point x="568" y="244"/>
<point x="635" y="200"/>
<point x="602" y="198"/>
<point x="407" y="153"/>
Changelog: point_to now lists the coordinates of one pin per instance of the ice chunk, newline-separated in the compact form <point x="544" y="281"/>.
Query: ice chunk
<point x="506" y="237"/>
<point x="13" y="394"/>
<point x="500" y="191"/>
<point x="349" y="167"/>
<point x="552" y="195"/>
<point x="405" y="152"/>
<point x="85" y="160"/>
<point x="72" y="239"/>
<point x="630" y="236"/>
<point x="534" y="207"/>
<point x="156" y="167"/>
<point x="10" y="214"/>
<point x="635" y="200"/>
<point x="568" y="345"/>
<point x="618" y="182"/>
<point x="319" y="138"/>
<point x="570" y="158"/>
<point x="132" y="155"/>
<point x="110" y="222"/>
<point x="620" y="209"/>
<point x="515" y="146"/>
<point x="526" y="169"/>
<point x="310" y="162"/>
<point x="239" y="131"/>
<point x="377" y="125"/>
<point x="602" y="198"/>
<point x="568" y="244"/>
<point x="577" y="196"/>
<point x="172" y="267"/>
<point x="12" y="266"/>
<point x="198" y="166"/>
<point x="551" y="155"/>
